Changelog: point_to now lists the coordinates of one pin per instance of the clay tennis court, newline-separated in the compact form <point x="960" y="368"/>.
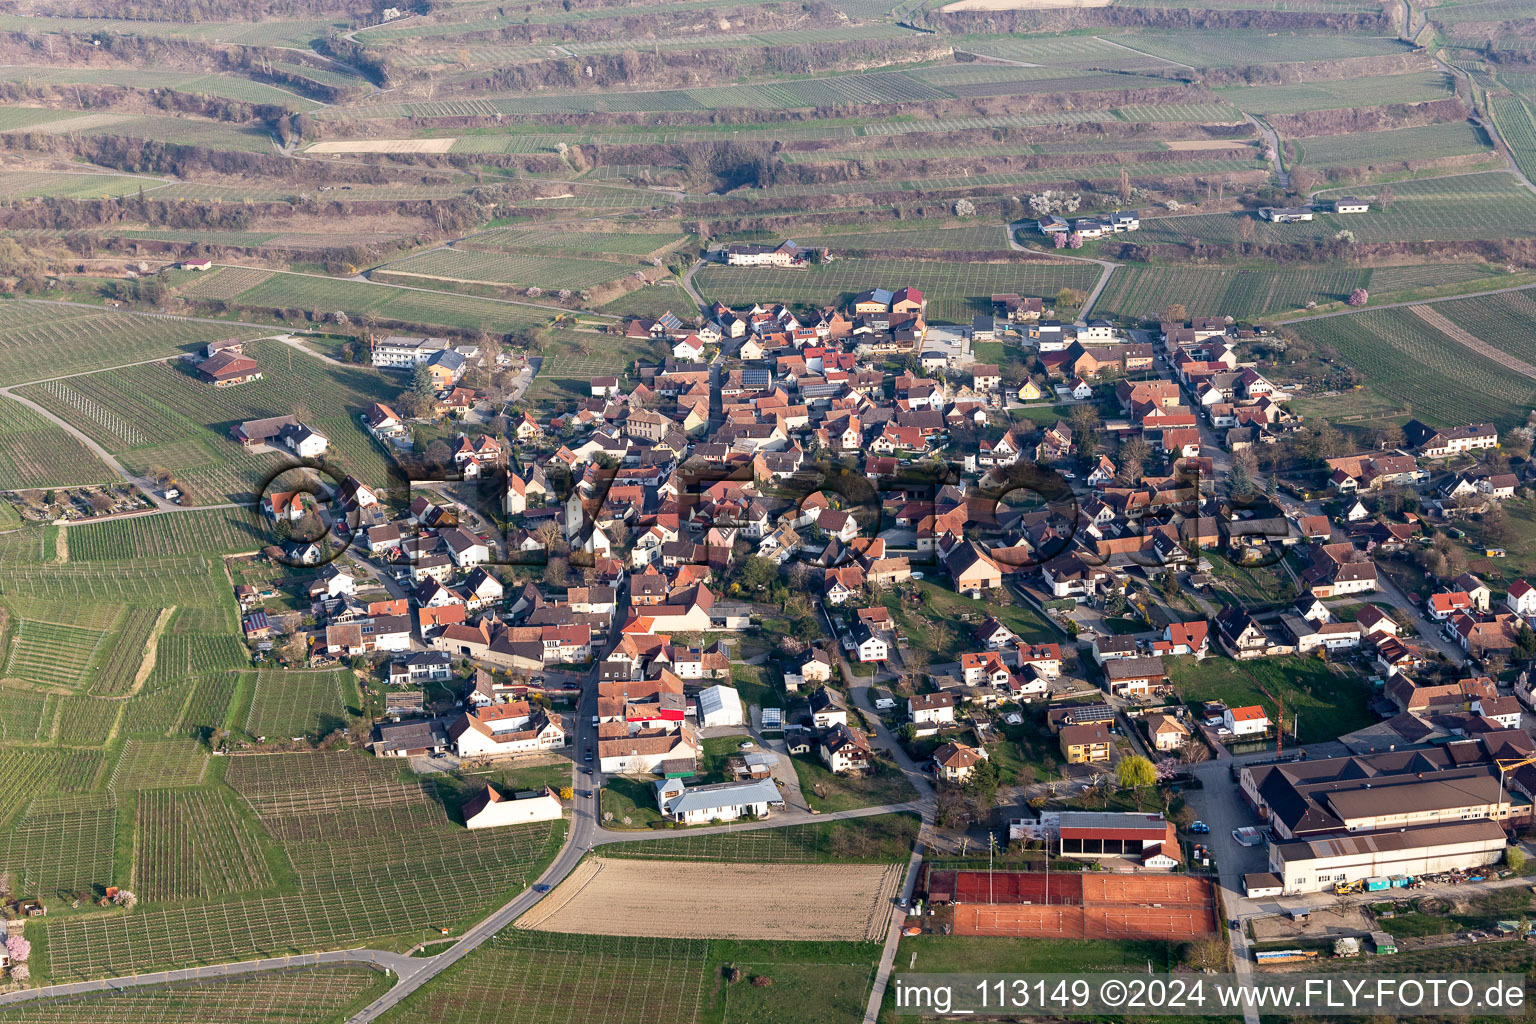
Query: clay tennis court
<point x="1075" y="905"/>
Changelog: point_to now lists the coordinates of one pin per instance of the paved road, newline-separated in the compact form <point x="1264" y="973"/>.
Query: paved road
<point x="1106" y="267"/>
<point x="859" y="688"/>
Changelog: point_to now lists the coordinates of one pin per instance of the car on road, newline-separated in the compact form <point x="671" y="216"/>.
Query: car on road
<point x="541" y="887"/>
<point x="1200" y="828"/>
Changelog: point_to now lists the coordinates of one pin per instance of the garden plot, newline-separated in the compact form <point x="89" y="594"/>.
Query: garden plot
<point x="851" y="902"/>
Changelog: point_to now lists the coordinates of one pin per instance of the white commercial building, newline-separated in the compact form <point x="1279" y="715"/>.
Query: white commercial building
<point x="1318" y="864"/>
<point x="720" y="705"/>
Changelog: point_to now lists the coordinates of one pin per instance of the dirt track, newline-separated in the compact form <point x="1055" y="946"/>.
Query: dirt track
<point x="383" y="146"/>
<point x="693" y="900"/>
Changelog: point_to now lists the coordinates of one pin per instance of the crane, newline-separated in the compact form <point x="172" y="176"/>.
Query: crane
<point x="1509" y="764"/>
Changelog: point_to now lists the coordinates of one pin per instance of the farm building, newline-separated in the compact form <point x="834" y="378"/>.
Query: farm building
<point x="785" y="254"/>
<point x="408" y="739"/>
<point x="1285" y="214"/>
<point x="505" y="729"/>
<point x="1349" y="204"/>
<point x="198" y="265"/>
<point x="489" y="809"/>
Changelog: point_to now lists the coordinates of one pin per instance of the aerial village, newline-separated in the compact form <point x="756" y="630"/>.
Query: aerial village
<point x="1024" y="557"/>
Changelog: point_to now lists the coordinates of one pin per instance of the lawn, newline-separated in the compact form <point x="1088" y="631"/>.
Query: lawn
<point x="943" y="622"/>
<point x="757" y="684"/>
<point x="628" y="798"/>
<point x="825" y="791"/>
<point x="879" y="838"/>
<point x="1329" y="703"/>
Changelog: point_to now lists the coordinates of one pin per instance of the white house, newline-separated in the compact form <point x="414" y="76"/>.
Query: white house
<point x="931" y="709"/>
<point x="720" y="705"/>
<point x="1248" y="721"/>
<point x="504" y="729"/>
<point x="489" y="809"/>
<point x="724" y="801"/>
<point x="1521" y="598"/>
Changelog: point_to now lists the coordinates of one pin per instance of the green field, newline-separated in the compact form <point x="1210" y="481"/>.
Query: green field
<point x="548" y="272"/>
<point x="1426" y="142"/>
<point x="1329" y="704"/>
<point x="554" y="978"/>
<point x="961" y="238"/>
<point x="1455" y="208"/>
<point x="954" y="291"/>
<point x="1344" y="93"/>
<point x="1409" y="362"/>
<point x="297" y="996"/>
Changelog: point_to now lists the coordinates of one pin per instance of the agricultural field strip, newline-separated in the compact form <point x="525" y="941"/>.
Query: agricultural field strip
<point x="1416" y="365"/>
<point x="505" y="268"/>
<point x="192" y="845"/>
<point x="115" y="673"/>
<point x="53" y="653"/>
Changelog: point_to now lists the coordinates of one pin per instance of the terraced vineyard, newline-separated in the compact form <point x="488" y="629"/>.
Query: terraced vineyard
<point x="1517" y="124"/>
<point x="1426" y="142"/>
<point x="546" y="272"/>
<point x="955" y="292"/>
<point x="215" y="531"/>
<point x="124" y="652"/>
<point x="39" y="341"/>
<point x="287" y="704"/>
<point x="1412" y="364"/>
<point x="153" y="764"/>
<point x="1457" y="207"/>
<point x="1418" y="87"/>
<point x="52" y="653"/>
<point x="25" y="772"/>
<point x="542" y="240"/>
<point x="389" y="302"/>
<point x="1507" y="321"/>
<point x="1135" y="291"/>
<point x="295" y="996"/>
